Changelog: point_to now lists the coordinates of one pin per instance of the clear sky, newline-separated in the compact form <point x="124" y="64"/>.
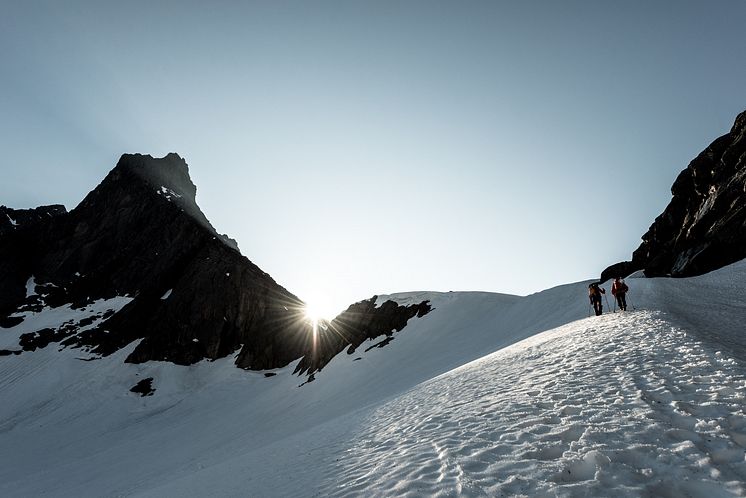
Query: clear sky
<point x="355" y="148"/>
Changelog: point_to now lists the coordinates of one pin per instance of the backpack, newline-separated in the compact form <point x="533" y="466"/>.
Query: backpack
<point x="620" y="287"/>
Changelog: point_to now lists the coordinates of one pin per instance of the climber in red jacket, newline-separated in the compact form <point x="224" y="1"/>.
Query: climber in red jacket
<point x="619" y="291"/>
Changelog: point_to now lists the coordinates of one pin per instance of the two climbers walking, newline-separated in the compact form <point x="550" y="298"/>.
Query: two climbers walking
<point x="618" y="289"/>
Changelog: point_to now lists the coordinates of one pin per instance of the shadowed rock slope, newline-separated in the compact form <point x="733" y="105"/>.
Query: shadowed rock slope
<point x="193" y="295"/>
<point x="13" y="219"/>
<point x="704" y="226"/>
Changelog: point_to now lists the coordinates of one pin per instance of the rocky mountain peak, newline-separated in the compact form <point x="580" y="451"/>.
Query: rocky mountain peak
<point x="168" y="175"/>
<point x="137" y="260"/>
<point x="140" y="185"/>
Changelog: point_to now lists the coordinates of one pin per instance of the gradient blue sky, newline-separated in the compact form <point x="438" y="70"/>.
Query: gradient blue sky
<point x="355" y="148"/>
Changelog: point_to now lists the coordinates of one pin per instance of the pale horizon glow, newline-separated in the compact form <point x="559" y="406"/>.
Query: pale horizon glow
<point x="364" y="148"/>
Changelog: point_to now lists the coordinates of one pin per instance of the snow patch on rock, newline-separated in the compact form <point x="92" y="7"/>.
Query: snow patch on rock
<point x="168" y="193"/>
<point x="30" y="287"/>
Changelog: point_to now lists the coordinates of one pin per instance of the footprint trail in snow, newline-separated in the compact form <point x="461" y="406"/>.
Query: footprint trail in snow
<point x="622" y="404"/>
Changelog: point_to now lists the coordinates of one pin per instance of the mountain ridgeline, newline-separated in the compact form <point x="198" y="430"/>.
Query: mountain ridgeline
<point x="703" y="228"/>
<point x="143" y="268"/>
<point x="191" y="294"/>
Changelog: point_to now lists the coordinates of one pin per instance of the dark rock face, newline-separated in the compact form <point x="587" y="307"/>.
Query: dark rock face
<point x="16" y="233"/>
<point x="704" y="226"/>
<point x="42" y="338"/>
<point x="191" y="294"/>
<point x="618" y="270"/>
<point x="360" y="322"/>
<point x="17" y="219"/>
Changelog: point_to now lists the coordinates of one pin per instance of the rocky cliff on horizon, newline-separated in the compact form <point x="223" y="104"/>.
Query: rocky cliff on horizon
<point x="703" y="228"/>
<point x="13" y="219"/>
<point x="185" y="292"/>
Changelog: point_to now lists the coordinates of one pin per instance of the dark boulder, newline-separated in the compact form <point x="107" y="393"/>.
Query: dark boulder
<point x="144" y="387"/>
<point x="622" y="270"/>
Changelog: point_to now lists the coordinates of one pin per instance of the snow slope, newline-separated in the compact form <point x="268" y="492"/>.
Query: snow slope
<point x="649" y="402"/>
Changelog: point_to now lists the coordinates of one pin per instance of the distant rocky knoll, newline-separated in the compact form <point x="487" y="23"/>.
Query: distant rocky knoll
<point x="704" y="226"/>
<point x="13" y="219"/>
<point x="360" y="322"/>
<point x="192" y="295"/>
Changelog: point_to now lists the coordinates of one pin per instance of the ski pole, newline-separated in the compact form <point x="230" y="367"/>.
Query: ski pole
<point x="614" y="305"/>
<point x="607" y="302"/>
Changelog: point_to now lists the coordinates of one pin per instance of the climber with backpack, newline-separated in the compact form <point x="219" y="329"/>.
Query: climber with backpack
<point x="619" y="291"/>
<point x="594" y="294"/>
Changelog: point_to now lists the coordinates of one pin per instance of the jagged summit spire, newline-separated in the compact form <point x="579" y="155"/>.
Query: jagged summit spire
<point x="141" y="182"/>
<point x="170" y="172"/>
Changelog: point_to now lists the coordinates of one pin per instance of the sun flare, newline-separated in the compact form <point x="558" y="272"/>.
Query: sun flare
<point x="319" y="309"/>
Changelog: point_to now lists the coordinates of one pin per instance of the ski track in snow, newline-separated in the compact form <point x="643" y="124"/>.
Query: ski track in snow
<point x="623" y="405"/>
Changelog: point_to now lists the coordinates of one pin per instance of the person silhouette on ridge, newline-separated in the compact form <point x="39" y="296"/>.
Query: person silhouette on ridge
<point x="619" y="291"/>
<point x="594" y="294"/>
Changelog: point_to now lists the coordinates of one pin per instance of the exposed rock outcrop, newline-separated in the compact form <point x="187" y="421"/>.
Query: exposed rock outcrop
<point x="360" y="322"/>
<point x="144" y="387"/>
<point x="704" y="226"/>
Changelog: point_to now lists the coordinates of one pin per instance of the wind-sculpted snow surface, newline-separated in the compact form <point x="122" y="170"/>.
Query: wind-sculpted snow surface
<point x="645" y="403"/>
<point x="624" y="405"/>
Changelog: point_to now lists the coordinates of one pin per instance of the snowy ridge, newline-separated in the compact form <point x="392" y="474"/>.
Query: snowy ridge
<point x="647" y="402"/>
<point x="409" y="298"/>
